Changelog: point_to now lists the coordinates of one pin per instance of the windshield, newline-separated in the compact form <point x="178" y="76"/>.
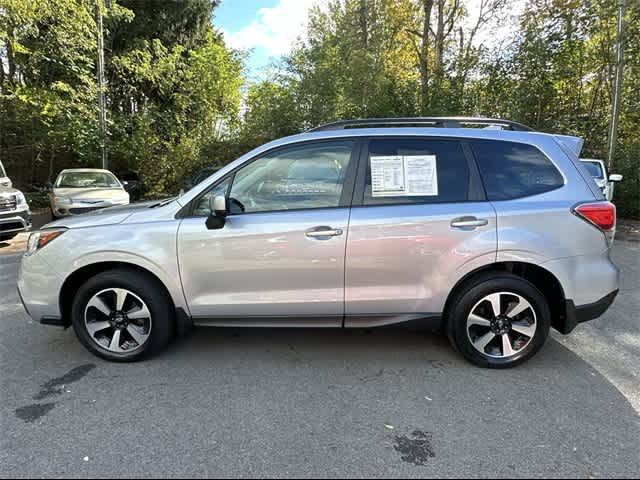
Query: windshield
<point x="594" y="169"/>
<point x="2" y="172"/>
<point x="87" y="180"/>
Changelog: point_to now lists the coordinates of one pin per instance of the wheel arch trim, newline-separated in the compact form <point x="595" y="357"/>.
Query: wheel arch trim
<point x="552" y="290"/>
<point x="93" y="264"/>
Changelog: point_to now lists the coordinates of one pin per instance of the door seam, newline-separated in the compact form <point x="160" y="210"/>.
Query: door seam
<point x="344" y="270"/>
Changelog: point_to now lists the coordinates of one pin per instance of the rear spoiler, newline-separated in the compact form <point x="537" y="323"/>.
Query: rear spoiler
<point x="571" y="145"/>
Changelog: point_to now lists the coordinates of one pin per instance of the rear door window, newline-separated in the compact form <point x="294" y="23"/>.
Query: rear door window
<point x="415" y="170"/>
<point x="514" y="170"/>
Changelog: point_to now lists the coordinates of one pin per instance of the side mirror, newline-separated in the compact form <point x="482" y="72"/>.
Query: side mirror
<point x="48" y="186"/>
<point x="218" y="207"/>
<point x="615" y="177"/>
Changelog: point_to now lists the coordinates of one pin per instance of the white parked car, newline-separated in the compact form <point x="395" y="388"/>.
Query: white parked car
<point x="598" y="170"/>
<point x="4" y="180"/>
<point x="80" y="191"/>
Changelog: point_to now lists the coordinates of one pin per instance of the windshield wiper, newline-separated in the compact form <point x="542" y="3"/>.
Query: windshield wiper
<point x="162" y="203"/>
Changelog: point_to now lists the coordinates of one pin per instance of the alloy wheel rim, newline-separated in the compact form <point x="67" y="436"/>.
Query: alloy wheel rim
<point x="501" y="325"/>
<point x="118" y="320"/>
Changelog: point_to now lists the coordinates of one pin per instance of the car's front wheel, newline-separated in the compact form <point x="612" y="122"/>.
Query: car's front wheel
<point x="498" y="320"/>
<point x="122" y="315"/>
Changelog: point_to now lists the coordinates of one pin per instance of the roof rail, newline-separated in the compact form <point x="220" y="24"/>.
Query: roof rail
<point x="437" y="122"/>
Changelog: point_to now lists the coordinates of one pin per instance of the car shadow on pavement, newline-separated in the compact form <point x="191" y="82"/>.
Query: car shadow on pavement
<point x="15" y="245"/>
<point x="316" y="403"/>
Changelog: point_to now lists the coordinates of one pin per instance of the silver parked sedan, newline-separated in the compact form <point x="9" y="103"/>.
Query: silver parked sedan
<point x="492" y="236"/>
<point x="84" y="190"/>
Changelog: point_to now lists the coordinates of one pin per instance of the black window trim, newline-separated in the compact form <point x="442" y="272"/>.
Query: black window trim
<point x="346" y="196"/>
<point x="475" y="189"/>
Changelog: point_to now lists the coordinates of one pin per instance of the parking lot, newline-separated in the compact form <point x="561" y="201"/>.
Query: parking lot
<point x="285" y="403"/>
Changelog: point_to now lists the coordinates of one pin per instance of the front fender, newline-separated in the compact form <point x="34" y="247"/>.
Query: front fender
<point x="171" y="282"/>
<point x="149" y="246"/>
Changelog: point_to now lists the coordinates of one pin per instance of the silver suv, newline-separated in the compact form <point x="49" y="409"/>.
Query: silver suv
<point x="15" y="215"/>
<point x="492" y="235"/>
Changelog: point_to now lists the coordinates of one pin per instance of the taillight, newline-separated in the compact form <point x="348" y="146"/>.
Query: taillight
<point x="601" y="214"/>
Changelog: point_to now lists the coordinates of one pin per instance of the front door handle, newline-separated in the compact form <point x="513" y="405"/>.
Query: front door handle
<point x="322" y="232"/>
<point x="469" y="223"/>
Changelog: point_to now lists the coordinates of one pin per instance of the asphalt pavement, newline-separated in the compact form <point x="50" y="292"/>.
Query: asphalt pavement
<point x="287" y="403"/>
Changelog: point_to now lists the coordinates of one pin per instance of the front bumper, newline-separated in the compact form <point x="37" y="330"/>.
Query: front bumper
<point x="38" y="287"/>
<point x="15" y="222"/>
<point x="584" y="313"/>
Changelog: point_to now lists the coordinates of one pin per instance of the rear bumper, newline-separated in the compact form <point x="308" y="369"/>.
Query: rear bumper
<point x="584" y="313"/>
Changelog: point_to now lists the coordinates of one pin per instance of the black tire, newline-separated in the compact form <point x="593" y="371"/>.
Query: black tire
<point x="473" y="291"/>
<point x="53" y="215"/>
<point x="146" y="288"/>
<point x="5" y="237"/>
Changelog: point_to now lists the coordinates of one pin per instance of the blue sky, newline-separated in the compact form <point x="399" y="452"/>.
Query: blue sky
<point x="269" y="28"/>
<point x="266" y="27"/>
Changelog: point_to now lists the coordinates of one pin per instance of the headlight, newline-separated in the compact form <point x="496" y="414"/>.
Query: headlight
<point x="21" y="202"/>
<point x="62" y="200"/>
<point x="40" y="239"/>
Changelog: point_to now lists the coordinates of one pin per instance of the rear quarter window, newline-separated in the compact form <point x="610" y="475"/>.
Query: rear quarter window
<point x="514" y="170"/>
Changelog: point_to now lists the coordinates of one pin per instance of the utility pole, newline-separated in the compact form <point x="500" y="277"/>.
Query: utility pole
<point x="101" y="87"/>
<point x="615" y="106"/>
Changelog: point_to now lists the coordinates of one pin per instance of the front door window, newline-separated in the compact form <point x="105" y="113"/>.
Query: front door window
<point x="304" y="177"/>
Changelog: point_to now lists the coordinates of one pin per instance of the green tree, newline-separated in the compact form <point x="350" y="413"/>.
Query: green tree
<point x="48" y="84"/>
<point x="174" y="88"/>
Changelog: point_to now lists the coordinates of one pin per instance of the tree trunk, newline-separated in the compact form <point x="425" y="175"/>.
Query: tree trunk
<point x="363" y="15"/>
<point x="439" y="41"/>
<point x="11" y="61"/>
<point x="51" y="157"/>
<point x="427" y="6"/>
<point x="364" y="23"/>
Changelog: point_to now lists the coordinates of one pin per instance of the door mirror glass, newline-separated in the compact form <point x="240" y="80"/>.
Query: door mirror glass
<point x="218" y="206"/>
<point x="204" y="205"/>
<point x="615" y="177"/>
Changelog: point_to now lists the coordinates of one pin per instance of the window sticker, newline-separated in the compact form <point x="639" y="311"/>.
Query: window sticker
<point x="404" y="176"/>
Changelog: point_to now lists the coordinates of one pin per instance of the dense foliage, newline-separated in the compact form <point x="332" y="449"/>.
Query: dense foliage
<point x="177" y="99"/>
<point x="172" y="85"/>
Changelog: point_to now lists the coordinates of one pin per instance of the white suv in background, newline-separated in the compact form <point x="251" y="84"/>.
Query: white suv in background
<point x="15" y="216"/>
<point x="4" y="180"/>
<point x="598" y="170"/>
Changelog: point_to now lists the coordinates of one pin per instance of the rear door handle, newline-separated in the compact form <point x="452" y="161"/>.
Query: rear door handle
<point x="469" y="223"/>
<point x="320" y="232"/>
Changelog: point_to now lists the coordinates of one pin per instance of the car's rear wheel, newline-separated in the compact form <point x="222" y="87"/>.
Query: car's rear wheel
<point x="498" y="320"/>
<point x="122" y="315"/>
